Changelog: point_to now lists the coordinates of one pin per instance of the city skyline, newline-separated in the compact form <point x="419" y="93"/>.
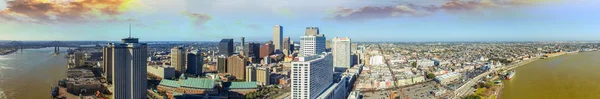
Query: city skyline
<point x="407" y="20"/>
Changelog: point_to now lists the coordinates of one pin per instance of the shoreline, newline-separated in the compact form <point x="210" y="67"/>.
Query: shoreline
<point x="8" y="52"/>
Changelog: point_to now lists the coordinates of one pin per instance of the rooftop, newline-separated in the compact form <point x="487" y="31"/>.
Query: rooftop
<point x="243" y="85"/>
<point x="198" y="83"/>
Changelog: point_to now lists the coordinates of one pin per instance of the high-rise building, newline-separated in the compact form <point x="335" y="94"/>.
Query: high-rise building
<point x="178" y="58"/>
<point x="243" y="45"/>
<point x="252" y="51"/>
<point x="226" y="47"/>
<point x="222" y="64"/>
<point x="266" y="50"/>
<point x="263" y="75"/>
<point x="277" y="36"/>
<point x="312" y="45"/>
<point x="341" y="52"/>
<point x="311" y="75"/>
<point x="129" y="69"/>
<point x="311" y="31"/>
<point x="236" y="66"/>
<point x="250" y="73"/>
<point x="107" y="62"/>
<point x="194" y="62"/>
<point x="79" y="59"/>
<point x="327" y="45"/>
<point x="286" y="46"/>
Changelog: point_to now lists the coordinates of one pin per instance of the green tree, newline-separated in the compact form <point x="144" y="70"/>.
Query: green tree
<point x="431" y="76"/>
<point x="472" y="97"/>
<point x="413" y="64"/>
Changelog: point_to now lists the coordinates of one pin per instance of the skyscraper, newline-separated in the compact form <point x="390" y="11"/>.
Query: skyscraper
<point x="252" y="51"/>
<point x="79" y="59"/>
<point x="286" y="46"/>
<point x="194" y="62"/>
<point x="222" y="64"/>
<point x="107" y="62"/>
<point x="341" y="52"/>
<point x="242" y="44"/>
<point x="266" y="50"/>
<point x="311" y="75"/>
<point x="236" y="66"/>
<point x="178" y="58"/>
<point x="311" y="31"/>
<point x="277" y="35"/>
<point x="226" y="47"/>
<point x="129" y="69"/>
<point x="312" y="45"/>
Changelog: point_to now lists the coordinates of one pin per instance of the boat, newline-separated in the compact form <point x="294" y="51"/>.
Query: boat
<point x="510" y="75"/>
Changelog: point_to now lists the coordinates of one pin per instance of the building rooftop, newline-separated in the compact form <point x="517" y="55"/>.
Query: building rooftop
<point x="198" y="83"/>
<point x="170" y="83"/>
<point x="243" y="85"/>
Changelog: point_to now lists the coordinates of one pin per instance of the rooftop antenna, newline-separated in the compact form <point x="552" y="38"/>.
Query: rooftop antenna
<point x="129" y="30"/>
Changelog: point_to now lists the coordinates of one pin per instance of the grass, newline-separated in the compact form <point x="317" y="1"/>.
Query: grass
<point x="492" y="97"/>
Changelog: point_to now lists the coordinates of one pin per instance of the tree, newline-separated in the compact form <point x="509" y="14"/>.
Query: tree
<point x="413" y="64"/>
<point x="472" y="97"/>
<point x="431" y="76"/>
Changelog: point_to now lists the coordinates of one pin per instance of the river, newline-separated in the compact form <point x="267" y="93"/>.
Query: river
<point x="571" y="76"/>
<point x="31" y="73"/>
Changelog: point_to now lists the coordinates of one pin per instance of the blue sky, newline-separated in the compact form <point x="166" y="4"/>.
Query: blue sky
<point x="362" y="20"/>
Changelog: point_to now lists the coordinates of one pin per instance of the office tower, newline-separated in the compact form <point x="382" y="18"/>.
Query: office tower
<point x="266" y="50"/>
<point x="226" y="47"/>
<point x="222" y="64"/>
<point x="250" y="73"/>
<point x="129" y="69"/>
<point x="311" y="31"/>
<point x="236" y="66"/>
<point x="79" y="59"/>
<point x="263" y="75"/>
<point x="312" y="45"/>
<point x="277" y="35"/>
<point x="341" y="52"/>
<point x="327" y="45"/>
<point x="178" y="58"/>
<point x="242" y="44"/>
<point x="107" y="62"/>
<point x="252" y="51"/>
<point x="194" y="62"/>
<point x="286" y="46"/>
<point x="311" y="75"/>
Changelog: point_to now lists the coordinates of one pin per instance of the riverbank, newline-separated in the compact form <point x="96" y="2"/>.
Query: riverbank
<point x="7" y="51"/>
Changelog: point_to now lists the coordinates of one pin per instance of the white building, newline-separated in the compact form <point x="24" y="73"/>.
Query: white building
<point x="165" y="72"/>
<point x="312" y="45"/>
<point x="129" y="69"/>
<point x="341" y="52"/>
<point x="376" y="60"/>
<point x="447" y="78"/>
<point x="311" y="75"/>
<point x="425" y="63"/>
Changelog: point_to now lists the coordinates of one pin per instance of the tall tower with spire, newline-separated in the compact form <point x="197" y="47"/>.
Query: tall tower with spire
<point x="128" y="67"/>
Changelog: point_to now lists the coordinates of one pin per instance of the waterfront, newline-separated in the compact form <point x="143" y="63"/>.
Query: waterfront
<point x="571" y="76"/>
<point x="31" y="73"/>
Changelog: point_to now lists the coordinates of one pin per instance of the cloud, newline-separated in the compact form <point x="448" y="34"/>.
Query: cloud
<point x="199" y="19"/>
<point x="46" y="11"/>
<point x="372" y="12"/>
<point x="412" y="10"/>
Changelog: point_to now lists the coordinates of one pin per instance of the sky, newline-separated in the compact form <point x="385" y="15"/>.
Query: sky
<point x="361" y="20"/>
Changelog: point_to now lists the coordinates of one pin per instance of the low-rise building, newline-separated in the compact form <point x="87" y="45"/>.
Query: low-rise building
<point x="162" y="71"/>
<point x="447" y="78"/>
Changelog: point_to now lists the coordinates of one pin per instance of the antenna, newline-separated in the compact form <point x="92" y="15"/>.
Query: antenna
<point x="129" y="30"/>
